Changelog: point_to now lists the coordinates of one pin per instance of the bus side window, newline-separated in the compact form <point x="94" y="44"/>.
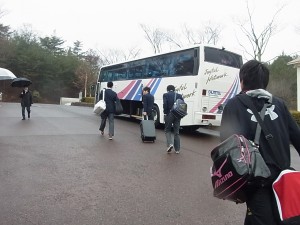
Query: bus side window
<point x="120" y="74"/>
<point x="104" y="76"/>
<point x="184" y="64"/>
<point x="152" y="70"/>
<point x="109" y="76"/>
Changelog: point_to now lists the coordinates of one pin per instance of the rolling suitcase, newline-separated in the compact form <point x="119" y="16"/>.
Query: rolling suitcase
<point x="148" y="130"/>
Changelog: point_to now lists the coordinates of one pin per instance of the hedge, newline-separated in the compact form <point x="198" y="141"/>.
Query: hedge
<point x="296" y="116"/>
<point x="88" y="99"/>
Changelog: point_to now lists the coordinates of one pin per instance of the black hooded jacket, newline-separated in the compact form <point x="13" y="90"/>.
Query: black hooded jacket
<point x="238" y="119"/>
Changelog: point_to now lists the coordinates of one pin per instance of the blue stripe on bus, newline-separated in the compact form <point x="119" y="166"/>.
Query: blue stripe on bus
<point x="133" y="90"/>
<point x="235" y="89"/>
<point x="156" y="85"/>
<point x="233" y="92"/>
<point x="139" y="93"/>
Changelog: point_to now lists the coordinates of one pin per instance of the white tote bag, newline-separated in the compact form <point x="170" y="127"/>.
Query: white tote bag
<point x="101" y="105"/>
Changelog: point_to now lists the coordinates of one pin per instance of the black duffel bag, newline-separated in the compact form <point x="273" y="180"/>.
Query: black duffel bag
<point x="237" y="163"/>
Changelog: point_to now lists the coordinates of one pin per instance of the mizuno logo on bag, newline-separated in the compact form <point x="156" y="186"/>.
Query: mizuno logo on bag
<point x="218" y="172"/>
<point x="223" y="179"/>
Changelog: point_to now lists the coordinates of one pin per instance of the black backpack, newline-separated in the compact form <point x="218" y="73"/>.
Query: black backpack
<point x="179" y="109"/>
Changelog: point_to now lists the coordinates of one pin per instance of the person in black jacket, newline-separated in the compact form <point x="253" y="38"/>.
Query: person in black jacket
<point x="170" y="120"/>
<point x="237" y="119"/>
<point x="110" y="98"/>
<point x="148" y="102"/>
<point x="26" y="102"/>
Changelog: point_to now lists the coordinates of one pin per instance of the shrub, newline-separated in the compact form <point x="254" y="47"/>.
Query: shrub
<point x="36" y="96"/>
<point x="296" y="116"/>
<point x="82" y="104"/>
<point x="88" y="99"/>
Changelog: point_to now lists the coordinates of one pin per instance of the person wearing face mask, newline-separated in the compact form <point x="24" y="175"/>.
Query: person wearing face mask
<point x="26" y="102"/>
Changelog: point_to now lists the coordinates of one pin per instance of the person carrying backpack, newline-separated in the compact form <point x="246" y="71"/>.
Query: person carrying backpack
<point x="238" y="119"/>
<point x="173" y="140"/>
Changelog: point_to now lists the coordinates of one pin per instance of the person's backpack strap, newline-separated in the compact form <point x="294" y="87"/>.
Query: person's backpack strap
<point x="103" y="94"/>
<point x="174" y="97"/>
<point x="258" y="127"/>
<point x="246" y="100"/>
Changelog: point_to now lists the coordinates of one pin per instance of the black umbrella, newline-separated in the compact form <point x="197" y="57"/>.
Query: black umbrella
<point x="20" y="82"/>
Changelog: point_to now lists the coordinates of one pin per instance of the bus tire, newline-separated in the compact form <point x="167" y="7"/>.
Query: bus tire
<point x="156" y="116"/>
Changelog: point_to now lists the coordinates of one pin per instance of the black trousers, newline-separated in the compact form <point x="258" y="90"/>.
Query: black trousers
<point x="23" y="111"/>
<point x="110" y="117"/>
<point x="261" y="208"/>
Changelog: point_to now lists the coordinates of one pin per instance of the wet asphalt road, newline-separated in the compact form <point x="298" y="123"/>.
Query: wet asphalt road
<point x="56" y="169"/>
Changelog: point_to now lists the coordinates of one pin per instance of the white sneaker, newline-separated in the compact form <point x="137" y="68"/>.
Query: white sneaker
<point x="177" y="152"/>
<point x="169" y="149"/>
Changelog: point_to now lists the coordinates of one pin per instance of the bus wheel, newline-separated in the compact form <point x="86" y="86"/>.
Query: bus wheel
<point x="156" y="116"/>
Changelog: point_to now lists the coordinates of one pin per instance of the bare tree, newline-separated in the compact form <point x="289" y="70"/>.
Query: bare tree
<point x="208" y="34"/>
<point x="190" y="35"/>
<point x="174" y="39"/>
<point x="154" y="36"/>
<point x="2" y="12"/>
<point x="84" y="76"/>
<point x="211" y="33"/>
<point x="115" y="55"/>
<point x="258" y="40"/>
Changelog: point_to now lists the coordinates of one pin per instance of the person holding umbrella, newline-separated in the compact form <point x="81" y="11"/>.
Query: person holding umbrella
<point x="26" y="102"/>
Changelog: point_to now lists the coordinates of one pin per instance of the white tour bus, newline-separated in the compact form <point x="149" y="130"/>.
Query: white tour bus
<point x="206" y="76"/>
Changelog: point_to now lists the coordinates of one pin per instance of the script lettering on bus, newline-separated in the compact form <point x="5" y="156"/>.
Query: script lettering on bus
<point x="182" y="87"/>
<point x="185" y="96"/>
<point x="216" y="77"/>
<point x="211" y="71"/>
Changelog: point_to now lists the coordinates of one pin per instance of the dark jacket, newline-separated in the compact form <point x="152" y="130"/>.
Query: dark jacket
<point x="148" y="102"/>
<point x="237" y="119"/>
<point x="169" y="99"/>
<point x="26" y="99"/>
<point x="110" y="98"/>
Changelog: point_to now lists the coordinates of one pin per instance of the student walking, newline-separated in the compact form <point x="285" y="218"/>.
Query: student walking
<point x="148" y="102"/>
<point x="238" y="119"/>
<point x="110" y="97"/>
<point x="173" y="139"/>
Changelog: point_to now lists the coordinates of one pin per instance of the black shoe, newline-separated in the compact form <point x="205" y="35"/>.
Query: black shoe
<point x="23" y="119"/>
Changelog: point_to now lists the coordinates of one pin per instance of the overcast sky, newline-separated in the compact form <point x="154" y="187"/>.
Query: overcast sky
<point x="106" y="24"/>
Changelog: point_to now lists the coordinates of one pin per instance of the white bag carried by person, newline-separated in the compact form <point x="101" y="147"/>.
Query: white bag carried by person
<point x="101" y="105"/>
